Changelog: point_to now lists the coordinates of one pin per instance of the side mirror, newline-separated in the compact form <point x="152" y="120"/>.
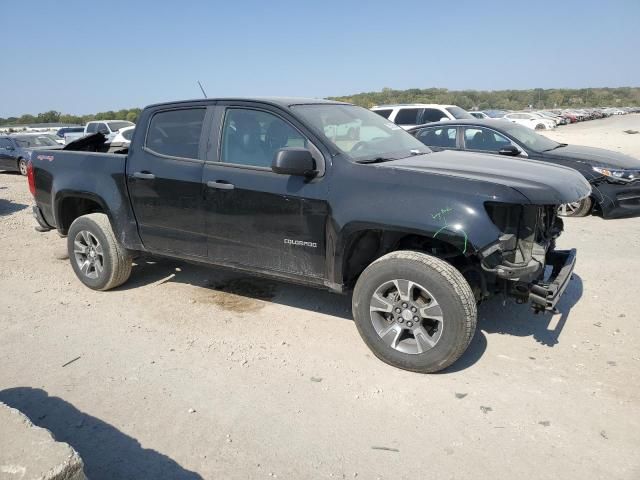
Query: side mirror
<point x="443" y="119"/>
<point x="510" y="150"/>
<point x="294" y="161"/>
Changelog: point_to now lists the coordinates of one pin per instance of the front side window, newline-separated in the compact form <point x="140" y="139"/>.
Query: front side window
<point x="176" y="133"/>
<point x="439" y="137"/>
<point x="92" y="128"/>
<point x="484" y="140"/>
<point x="102" y="128"/>
<point x="372" y="137"/>
<point x="407" y="116"/>
<point x="252" y="137"/>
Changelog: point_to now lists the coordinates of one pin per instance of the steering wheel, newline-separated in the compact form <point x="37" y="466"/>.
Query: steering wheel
<point x="361" y="145"/>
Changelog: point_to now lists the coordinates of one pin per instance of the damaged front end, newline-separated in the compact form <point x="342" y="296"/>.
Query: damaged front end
<point x="523" y="263"/>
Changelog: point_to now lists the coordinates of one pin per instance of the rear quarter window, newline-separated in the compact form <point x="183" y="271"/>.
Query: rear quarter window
<point x="384" y="113"/>
<point x="176" y="133"/>
<point x="407" y="116"/>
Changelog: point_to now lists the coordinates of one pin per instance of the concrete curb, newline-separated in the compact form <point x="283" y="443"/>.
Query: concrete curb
<point x="30" y="452"/>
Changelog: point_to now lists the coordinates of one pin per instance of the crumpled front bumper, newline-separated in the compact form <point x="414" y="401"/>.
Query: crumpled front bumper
<point x="545" y="295"/>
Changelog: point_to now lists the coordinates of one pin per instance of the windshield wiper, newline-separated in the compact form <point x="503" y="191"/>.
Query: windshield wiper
<point x="557" y="146"/>
<point x="375" y="160"/>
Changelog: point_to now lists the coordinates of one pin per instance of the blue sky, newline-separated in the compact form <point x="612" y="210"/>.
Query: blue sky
<point x="83" y="57"/>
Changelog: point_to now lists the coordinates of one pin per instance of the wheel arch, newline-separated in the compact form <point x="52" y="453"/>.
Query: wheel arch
<point x="70" y="205"/>
<point x="360" y="246"/>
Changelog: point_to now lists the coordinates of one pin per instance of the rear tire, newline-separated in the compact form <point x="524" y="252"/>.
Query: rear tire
<point x="576" y="209"/>
<point x="414" y="311"/>
<point x="22" y="166"/>
<point x="96" y="256"/>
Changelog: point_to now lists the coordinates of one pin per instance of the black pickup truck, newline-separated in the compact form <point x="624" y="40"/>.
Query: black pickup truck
<point x="276" y="187"/>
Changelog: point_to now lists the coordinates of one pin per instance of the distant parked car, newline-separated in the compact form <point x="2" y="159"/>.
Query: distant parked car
<point x="410" y="115"/>
<point x="479" y="115"/>
<point x="614" y="177"/>
<point x="64" y="130"/>
<point x="123" y="137"/>
<point x="530" y="120"/>
<point x="15" y="150"/>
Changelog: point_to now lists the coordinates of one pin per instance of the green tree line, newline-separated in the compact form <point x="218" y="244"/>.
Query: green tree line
<point x="52" y="116"/>
<point x="467" y="99"/>
<point x="503" y="99"/>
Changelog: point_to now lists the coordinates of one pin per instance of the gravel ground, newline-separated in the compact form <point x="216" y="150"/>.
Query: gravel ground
<point x="188" y="372"/>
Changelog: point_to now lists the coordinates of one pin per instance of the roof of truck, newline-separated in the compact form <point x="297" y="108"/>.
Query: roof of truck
<point x="279" y="101"/>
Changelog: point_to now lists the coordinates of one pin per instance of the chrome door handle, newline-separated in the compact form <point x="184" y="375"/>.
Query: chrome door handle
<point x="219" y="184"/>
<point x="144" y="175"/>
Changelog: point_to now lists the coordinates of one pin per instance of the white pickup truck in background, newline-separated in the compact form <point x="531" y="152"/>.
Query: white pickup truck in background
<point x="109" y="128"/>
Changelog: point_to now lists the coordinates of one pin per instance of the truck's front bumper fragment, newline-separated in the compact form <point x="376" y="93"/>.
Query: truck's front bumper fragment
<point x="545" y="295"/>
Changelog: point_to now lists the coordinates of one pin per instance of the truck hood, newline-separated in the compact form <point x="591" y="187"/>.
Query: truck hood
<point x="542" y="183"/>
<point x="595" y="157"/>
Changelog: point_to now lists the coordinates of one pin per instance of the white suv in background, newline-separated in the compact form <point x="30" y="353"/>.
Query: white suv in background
<point x="410" y="115"/>
<point x="532" y="120"/>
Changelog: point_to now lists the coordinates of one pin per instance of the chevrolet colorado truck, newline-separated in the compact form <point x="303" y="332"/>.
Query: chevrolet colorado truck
<point x="272" y="187"/>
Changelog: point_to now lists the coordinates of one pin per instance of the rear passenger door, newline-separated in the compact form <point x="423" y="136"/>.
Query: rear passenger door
<point x="164" y="174"/>
<point x="439" y="138"/>
<point x="254" y="217"/>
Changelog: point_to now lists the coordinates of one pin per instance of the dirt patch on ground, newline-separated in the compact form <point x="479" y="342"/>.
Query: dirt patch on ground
<point x="239" y="295"/>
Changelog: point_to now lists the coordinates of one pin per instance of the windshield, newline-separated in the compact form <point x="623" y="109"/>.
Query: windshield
<point x="360" y="133"/>
<point x="495" y="113"/>
<point x="459" y="113"/>
<point x="529" y="138"/>
<point x="115" y="126"/>
<point x="35" y="141"/>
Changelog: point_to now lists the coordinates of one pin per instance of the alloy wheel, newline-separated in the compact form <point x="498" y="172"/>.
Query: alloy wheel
<point x="406" y="316"/>
<point x="88" y="254"/>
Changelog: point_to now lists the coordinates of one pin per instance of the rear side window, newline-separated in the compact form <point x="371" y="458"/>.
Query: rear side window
<point x="128" y="134"/>
<point x="433" y="115"/>
<point x="438" y="137"/>
<point x="5" y="142"/>
<point x="407" y="116"/>
<point x="384" y="113"/>
<point x="176" y="133"/>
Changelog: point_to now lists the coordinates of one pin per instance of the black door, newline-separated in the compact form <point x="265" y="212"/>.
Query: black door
<point x="257" y="218"/>
<point x="165" y="183"/>
<point x="7" y="152"/>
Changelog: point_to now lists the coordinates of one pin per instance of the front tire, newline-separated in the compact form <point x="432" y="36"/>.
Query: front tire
<point x="576" y="209"/>
<point x="414" y="311"/>
<point x="96" y="256"/>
